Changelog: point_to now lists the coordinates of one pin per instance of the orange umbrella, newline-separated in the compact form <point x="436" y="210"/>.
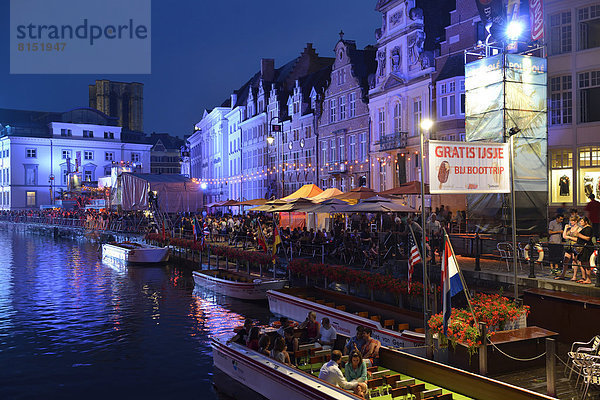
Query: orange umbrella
<point x="358" y="193"/>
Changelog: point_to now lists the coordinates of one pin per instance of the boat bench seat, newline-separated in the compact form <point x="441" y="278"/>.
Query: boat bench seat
<point x="322" y="353"/>
<point x="331" y="305"/>
<point x="447" y="396"/>
<point x="375" y="318"/>
<point x="432" y="392"/>
<point x="341" y="308"/>
<point x="405" y="382"/>
<point x="363" y="314"/>
<point x="402" y="327"/>
<point x="306" y="346"/>
<point x="402" y="391"/>
<point x="389" y="323"/>
<point x="319" y="301"/>
<point x="381" y="374"/>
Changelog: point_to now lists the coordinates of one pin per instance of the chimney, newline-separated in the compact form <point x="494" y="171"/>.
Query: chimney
<point x="267" y="69"/>
<point x="233" y="99"/>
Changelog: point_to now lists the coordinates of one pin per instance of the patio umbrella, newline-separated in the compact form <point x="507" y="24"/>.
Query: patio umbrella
<point x="326" y="194"/>
<point x="230" y="203"/>
<point x="358" y="193"/>
<point x="413" y="187"/>
<point x="255" y="202"/>
<point x="329" y="206"/>
<point x="379" y="204"/>
<point x="215" y="204"/>
<point x="269" y="205"/>
<point x="308" y="190"/>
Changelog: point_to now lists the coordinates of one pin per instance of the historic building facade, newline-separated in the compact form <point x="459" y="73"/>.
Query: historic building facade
<point x="399" y="95"/>
<point x="343" y="127"/>
<point x="41" y="151"/>
<point x="574" y="100"/>
<point x="121" y="100"/>
<point x="165" y="156"/>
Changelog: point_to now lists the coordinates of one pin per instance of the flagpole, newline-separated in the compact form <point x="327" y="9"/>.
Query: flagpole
<point x="460" y="274"/>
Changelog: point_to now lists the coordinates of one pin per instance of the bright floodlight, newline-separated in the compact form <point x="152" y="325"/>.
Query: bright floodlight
<point x="270" y="140"/>
<point x="426" y="124"/>
<point x="203" y="186"/>
<point x="514" y="30"/>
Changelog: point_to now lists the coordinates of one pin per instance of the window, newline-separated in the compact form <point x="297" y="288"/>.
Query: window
<point x="451" y="87"/>
<point x="88" y="155"/>
<point x="342" y="108"/>
<point x="417" y="115"/>
<point x="331" y="110"/>
<point x="87" y="176"/>
<point x="66" y="154"/>
<point x="88" y="134"/>
<point x="560" y="33"/>
<point x="452" y="101"/>
<point x="308" y="156"/>
<point x="381" y="122"/>
<point x="260" y="106"/>
<point x="397" y="117"/>
<point x="31" y="199"/>
<point x="66" y="132"/>
<point x="352" y="101"/>
<point x="31" y="175"/>
<point x="561" y="101"/>
<point x="109" y="156"/>
<point x="443" y="88"/>
<point x="332" y="157"/>
<point x="589" y="96"/>
<point x="462" y="103"/>
<point x="31" y="153"/>
<point x="109" y="135"/>
<point x="589" y="156"/>
<point x="341" y="75"/>
<point x="352" y="148"/>
<point x="363" y="147"/>
<point x="307" y="132"/>
<point x="444" y="106"/>
<point x="589" y="27"/>
<point x="296" y="105"/>
<point x="562" y="158"/>
<point x="342" y="147"/>
<point x="324" y="152"/>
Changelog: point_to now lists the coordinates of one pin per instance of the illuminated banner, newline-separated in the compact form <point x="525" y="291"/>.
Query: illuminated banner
<point x="459" y="167"/>
<point x="536" y="17"/>
<point x="493" y="15"/>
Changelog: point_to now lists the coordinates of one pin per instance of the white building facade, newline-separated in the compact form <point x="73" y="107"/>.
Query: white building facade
<point x="36" y="163"/>
<point x="400" y="95"/>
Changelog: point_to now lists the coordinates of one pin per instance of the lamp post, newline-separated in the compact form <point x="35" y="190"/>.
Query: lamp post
<point x="270" y="141"/>
<point x="513" y="217"/>
<point x="426" y="125"/>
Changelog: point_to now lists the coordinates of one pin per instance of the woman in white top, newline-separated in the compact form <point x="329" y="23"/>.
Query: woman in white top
<point x="327" y="334"/>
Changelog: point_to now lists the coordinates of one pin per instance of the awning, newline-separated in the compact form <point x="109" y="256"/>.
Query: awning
<point x="358" y="193"/>
<point x="326" y="194"/>
<point x="306" y="191"/>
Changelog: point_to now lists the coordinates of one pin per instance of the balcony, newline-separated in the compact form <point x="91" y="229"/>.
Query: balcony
<point x="340" y="168"/>
<point x="393" y="141"/>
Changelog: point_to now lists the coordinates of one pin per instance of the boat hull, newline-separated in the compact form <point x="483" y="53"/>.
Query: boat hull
<point x="142" y="255"/>
<point x="344" y="323"/>
<point x="240" y="290"/>
<point x="270" y="378"/>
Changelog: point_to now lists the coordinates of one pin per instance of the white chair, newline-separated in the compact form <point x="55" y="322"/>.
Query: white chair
<point x="506" y="253"/>
<point x="591" y="375"/>
<point x="579" y="351"/>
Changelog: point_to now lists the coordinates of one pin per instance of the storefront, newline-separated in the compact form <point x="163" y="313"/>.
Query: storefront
<point x="572" y="183"/>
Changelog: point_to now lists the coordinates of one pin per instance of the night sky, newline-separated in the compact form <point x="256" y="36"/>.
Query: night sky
<point x="201" y="52"/>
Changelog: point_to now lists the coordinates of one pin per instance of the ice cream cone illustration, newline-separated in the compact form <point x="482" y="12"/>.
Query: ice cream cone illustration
<point x="443" y="172"/>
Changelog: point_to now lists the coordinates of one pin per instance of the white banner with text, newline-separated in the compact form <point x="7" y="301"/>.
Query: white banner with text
<point x="475" y="167"/>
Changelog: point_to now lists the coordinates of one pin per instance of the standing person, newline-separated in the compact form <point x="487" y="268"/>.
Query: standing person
<point x="593" y="210"/>
<point x="555" y="248"/>
<point x="584" y="238"/>
<point x="571" y="229"/>
<point x="331" y="373"/>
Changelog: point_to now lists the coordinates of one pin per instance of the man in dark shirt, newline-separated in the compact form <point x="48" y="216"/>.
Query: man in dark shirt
<point x="593" y="210"/>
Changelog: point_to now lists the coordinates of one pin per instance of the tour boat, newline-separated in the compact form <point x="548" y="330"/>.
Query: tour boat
<point x="390" y="325"/>
<point x="237" y="284"/>
<point x="135" y="253"/>
<point x="398" y="374"/>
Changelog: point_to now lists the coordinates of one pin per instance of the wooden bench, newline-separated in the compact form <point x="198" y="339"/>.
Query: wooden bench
<point x="341" y="308"/>
<point x="375" y="318"/>
<point x="374" y="385"/>
<point x="363" y="314"/>
<point x="306" y="346"/>
<point x="405" y="382"/>
<point x="322" y="353"/>
<point x="322" y="302"/>
<point x="420" y="330"/>
<point x="416" y="390"/>
<point x="401" y="391"/>
<point x="331" y="305"/>
<point x="380" y="374"/>
<point x="432" y="392"/>
<point x="389" y="323"/>
<point x="402" y="327"/>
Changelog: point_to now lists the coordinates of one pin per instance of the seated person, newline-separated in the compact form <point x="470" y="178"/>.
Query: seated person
<point x="285" y="322"/>
<point x="291" y="342"/>
<point x="252" y="342"/>
<point x="263" y="345"/>
<point x="331" y="373"/>
<point x="241" y="337"/>
<point x="370" y="350"/>
<point x="355" y="369"/>
<point x="327" y="334"/>
<point x="312" y="327"/>
<point x="279" y="352"/>
<point x="357" y="342"/>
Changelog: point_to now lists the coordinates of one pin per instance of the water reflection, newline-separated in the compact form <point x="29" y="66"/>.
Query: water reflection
<point x="73" y="326"/>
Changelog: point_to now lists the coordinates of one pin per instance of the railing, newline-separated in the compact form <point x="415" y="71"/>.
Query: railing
<point x="112" y="224"/>
<point x="397" y="140"/>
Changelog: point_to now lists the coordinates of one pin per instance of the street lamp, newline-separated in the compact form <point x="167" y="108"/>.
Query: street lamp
<point x="426" y="125"/>
<point x="270" y="141"/>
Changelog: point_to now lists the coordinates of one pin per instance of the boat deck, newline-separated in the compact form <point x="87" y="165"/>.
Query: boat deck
<point x="392" y="318"/>
<point x="235" y="276"/>
<point x="387" y="384"/>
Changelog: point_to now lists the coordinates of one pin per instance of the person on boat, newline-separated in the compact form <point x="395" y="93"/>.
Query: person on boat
<point x="312" y="327"/>
<point x="279" y="352"/>
<point x="291" y="342"/>
<point x="357" y="341"/>
<point x="263" y="345"/>
<point x="356" y="368"/>
<point x="330" y="372"/>
<point x="285" y="322"/>
<point x="252" y="342"/>
<point x="328" y="334"/>
<point x="241" y="337"/>
<point x="370" y="350"/>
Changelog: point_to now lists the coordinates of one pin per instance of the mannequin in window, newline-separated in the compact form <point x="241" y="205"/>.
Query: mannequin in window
<point x="564" y="186"/>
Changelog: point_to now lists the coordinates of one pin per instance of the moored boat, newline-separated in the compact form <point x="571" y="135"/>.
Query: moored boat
<point x="392" y="326"/>
<point x="399" y="374"/>
<point x="237" y="284"/>
<point x="135" y="253"/>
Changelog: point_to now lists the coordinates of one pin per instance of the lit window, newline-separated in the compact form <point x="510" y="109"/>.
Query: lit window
<point x="31" y="199"/>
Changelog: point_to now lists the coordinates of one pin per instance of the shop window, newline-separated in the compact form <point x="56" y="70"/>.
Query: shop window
<point x="589" y="27"/>
<point x="589" y="172"/>
<point x="561" y="100"/>
<point x="561" y="176"/>
<point x="561" y="159"/>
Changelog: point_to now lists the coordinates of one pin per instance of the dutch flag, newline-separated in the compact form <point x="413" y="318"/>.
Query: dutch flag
<point x="451" y="282"/>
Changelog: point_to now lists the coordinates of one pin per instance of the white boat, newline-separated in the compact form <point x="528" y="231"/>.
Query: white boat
<point x="135" y="253"/>
<point x="237" y="284"/>
<point x="296" y="303"/>
<point x="270" y="378"/>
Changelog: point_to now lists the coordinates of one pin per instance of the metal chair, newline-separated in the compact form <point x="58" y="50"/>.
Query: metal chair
<point x="506" y="253"/>
<point x="579" y="350"/>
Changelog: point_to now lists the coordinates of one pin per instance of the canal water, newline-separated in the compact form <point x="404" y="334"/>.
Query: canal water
<point x="72" y="326"/>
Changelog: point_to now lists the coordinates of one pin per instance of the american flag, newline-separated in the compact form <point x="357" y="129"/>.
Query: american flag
<point x="413" y="259"/>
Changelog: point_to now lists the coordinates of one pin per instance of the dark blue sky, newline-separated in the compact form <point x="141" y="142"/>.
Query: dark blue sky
<point x="201" y="51"/>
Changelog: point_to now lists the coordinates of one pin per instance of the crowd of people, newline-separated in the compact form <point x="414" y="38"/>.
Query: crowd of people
<point x="282" y="345"/>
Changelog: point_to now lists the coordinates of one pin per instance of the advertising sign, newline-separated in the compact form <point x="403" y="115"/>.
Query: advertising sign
<point x="536" y="17"/>
<point x="459" y="167"/>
